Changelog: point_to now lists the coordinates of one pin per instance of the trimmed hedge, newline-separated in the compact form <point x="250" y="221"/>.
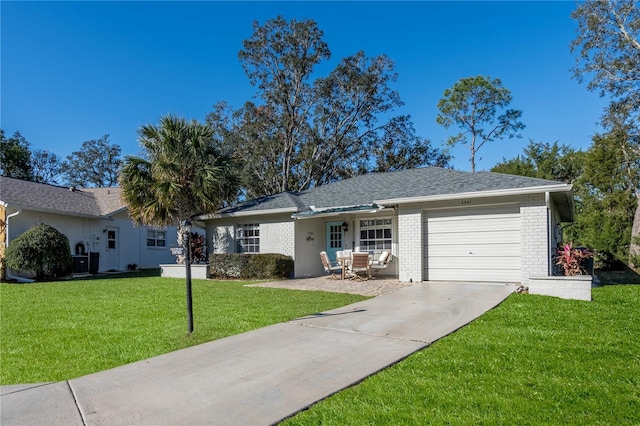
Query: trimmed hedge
<point x="250" y="266"/>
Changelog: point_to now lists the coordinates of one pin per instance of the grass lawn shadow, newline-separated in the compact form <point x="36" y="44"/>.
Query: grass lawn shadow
<point x="627" y="276"/>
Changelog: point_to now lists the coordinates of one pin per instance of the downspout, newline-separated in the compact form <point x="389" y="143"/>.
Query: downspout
<point x="547" y="201"/>
<point x="6" y="244"/>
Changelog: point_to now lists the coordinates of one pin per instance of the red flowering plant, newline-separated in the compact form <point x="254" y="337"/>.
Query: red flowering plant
<point x="198" y="248"/>
<point x="570" y="259"/>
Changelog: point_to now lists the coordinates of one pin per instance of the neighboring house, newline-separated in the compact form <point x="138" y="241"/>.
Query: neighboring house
<point x="94" y="219"/>
<point x="439" y="224"/>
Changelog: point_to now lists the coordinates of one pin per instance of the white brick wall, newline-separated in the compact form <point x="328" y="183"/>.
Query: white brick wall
<point x="535" y="230"/>
<point x="276" y="234"/>
<point x="410" y="256"/>
<point x="278" y="237"/>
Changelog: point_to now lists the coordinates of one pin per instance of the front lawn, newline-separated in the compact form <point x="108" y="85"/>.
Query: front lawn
<point x="533" y="360"/>
<point x="60" y="330"/>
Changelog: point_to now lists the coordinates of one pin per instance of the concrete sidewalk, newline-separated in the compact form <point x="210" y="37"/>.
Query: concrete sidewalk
<point x="263" y="376"/>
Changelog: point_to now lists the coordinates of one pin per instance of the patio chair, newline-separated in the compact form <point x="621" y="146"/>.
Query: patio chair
<point x="359" y="266"/>
<point x="381" y="263"/>
<point x="329" y="267"/>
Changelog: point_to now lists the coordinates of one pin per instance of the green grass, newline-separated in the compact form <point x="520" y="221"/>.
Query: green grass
<point x="533" y="360"/>
<point x="59" y="330"/>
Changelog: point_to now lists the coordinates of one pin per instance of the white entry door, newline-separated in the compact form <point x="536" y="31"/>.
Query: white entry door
<point x="112" y="249"/>
<point x="480" y="244"/>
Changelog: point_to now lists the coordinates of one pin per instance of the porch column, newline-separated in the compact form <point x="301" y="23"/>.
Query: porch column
<point x="410" y="243"/>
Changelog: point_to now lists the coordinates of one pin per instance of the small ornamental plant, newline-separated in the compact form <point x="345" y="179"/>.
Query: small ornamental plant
<point x="198" y="248"/>
<point x="570" y="259"/>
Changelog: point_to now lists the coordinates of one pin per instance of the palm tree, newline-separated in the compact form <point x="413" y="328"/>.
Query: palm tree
<point x="183" y="174"/>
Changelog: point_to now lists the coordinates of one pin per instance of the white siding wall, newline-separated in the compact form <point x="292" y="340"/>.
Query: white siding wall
<point x="535" y="237"/>
<point x="220" y="238"/>
<point x="410" y="250"/>
<point x="152" y="257"/>
<point x="132" y="240"/>
<point x="309" y="242"/>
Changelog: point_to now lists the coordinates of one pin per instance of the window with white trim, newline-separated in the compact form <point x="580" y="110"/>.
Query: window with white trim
<point x="156" y="238"/>
<point x="248" y="237"/>
<point x="375" y="235"/>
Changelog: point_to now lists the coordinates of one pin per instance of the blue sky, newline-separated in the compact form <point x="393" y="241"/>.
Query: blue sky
<point x="74" y="71"/>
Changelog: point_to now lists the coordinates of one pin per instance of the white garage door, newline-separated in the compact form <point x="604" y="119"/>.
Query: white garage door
<point x="481" y="244"/>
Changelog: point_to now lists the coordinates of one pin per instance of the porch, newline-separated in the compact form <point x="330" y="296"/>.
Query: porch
<point x="375" y="287"/>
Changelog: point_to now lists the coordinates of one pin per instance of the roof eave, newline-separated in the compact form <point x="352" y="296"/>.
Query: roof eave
<point x="119" y="210"/>
<point x="54" y="211"/>
<point x="211" y="216"/>
<point x="565" y="206"/>
<point x="478" y="194"/>
<point x="338" y="211"/>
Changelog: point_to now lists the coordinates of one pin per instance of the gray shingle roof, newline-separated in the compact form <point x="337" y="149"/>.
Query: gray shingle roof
<point x="365" y="189"/>
<point x="51" y="198"/>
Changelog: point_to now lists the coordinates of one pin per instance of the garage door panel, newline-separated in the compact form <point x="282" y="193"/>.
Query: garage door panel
<point x="475" y="262"/>
<point x="482" y="244"/>
<point x="477" y="249"/>
<point x="475" y="225"/>
<point x="488" y="275"/>
<point x="493" y="238"/>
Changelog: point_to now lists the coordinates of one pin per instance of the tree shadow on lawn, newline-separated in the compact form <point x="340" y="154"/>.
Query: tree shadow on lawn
<point x="626" y="276"/>
<point x="139" y="273"/>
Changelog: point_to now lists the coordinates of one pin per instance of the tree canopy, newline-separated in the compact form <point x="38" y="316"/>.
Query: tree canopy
<point x="608" y="55"/>
<point x="472" y="105"/>
<point x="545" y="161"/>
<point x="96" y="164"/>
<point x="46" y="166"/>
<point x="15" y="157"/>
<point x="605" y="198"/>
<point x="608" y="47"/>
<point x="306" y="131"/>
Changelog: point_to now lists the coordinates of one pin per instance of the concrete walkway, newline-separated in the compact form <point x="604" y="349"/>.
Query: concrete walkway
<point x="259" y="377"/>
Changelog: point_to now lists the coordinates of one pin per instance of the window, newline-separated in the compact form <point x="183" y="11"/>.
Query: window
<point x="248" y="236"/>
<point x="156" y="238"/>
<point x="375" y="235"/>
<point x="335" y="236"/>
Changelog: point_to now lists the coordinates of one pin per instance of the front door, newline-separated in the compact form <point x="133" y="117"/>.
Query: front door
<point x="112" y="249"/>
<point x="335" y="236"/>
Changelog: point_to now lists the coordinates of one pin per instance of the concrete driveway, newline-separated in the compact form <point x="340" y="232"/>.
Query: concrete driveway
<point x="263" y="376"/>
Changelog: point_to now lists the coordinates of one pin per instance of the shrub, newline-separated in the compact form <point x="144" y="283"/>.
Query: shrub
<point x="250" y="266"/>
<point x="41" y="249"/>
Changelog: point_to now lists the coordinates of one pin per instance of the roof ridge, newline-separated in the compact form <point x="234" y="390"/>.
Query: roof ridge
<point x="300" y="205"/>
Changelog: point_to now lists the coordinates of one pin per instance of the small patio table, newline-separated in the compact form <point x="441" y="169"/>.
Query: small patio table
<point x="344" y="262"/>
